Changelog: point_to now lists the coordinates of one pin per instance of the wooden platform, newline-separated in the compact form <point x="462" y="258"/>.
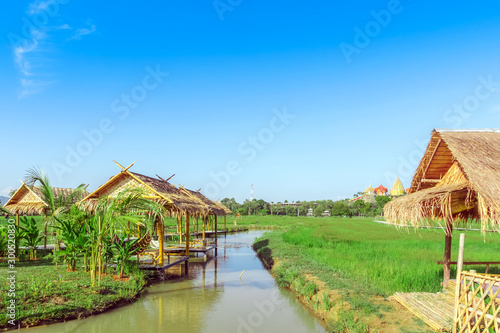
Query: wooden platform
<point x="173" y="261"/>
<point x="436" y="310"/>
<point x="206" y="249"/>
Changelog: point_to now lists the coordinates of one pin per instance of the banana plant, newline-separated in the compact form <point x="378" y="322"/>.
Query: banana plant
<point x="31" y="234"/>
<point x="76" y="241"/>
<point x="123" y="250"/>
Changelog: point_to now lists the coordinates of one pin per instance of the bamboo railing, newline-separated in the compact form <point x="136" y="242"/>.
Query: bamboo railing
<point x="477" y="303"/>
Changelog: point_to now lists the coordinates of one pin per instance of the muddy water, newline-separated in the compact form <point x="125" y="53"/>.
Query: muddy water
<point x="211" y="298"/>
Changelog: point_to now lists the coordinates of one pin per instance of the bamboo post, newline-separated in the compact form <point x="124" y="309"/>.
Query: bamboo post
<point x="215" y="224"/>
<point x="187" y="233"/>
<point x="179" y="219"/>
<point x="447" y="252"/>
<point x="160" y="240"/>
<point x="460" y="263"/>
<point x="203" y="231"/>
<point x="225" y="223"/>
<point x="45" y="234"/>
<point x="17" y="219"/>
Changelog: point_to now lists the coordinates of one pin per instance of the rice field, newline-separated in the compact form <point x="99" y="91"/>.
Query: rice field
<point x="379" y="258"/>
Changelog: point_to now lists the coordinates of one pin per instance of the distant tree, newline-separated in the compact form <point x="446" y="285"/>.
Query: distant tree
<point x="242" y="211"/>
<point x="340" y="208"/>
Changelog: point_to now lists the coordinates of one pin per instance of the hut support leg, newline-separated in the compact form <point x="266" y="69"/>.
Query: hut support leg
<point x="447" y="253"/>
<point x="160" y="243"/>
<point x="204" y="225"/>
<point x="180" y="229"/>
<point x="215" y="227"/>
<point x="187" y="234"/>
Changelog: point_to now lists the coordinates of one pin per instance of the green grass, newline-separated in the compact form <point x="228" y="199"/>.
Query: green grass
<point x="46" y="293"/>
<point x="380" y="257"/>
<point x="362" y="259"/>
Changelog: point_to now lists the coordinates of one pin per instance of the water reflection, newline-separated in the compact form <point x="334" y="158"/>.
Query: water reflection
<point x="211" y="298"/>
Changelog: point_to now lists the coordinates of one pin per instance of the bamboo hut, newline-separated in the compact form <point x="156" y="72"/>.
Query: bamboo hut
<point x="179" y="202"/>
<point x="27" y="200"/>
<point x="458" y="179"/>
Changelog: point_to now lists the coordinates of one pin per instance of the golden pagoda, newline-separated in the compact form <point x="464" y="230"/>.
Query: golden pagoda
<point x="369" y="191"/>
<point x="398" y="188"/>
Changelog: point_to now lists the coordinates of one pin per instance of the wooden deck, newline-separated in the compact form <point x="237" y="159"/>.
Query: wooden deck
<point x="436" y="310"/>
<point x="172" y="261"/>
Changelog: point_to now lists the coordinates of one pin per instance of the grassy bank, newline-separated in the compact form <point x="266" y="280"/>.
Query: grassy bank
<point x="364" y="263"/>
<point x="47" y="294"/>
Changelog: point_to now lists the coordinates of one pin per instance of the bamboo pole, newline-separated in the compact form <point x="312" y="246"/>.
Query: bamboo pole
<point x="215" y="225"/>
<point x="17" y="219"/>
<point x="204" y="243"/>
<point x="160" y="240"/>
<point x="187" y="234"/>
<point x="460" y="262"/>
<point x="447" y="252"/>
<point x="45" y="234"/>
<point x="225" y="223"/>
<point x="179" y="219"/>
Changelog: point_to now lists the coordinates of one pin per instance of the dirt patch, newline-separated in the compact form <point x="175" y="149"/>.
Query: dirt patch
<point x="58" y="300"/>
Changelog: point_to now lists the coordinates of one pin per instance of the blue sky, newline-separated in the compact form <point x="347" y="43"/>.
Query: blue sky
<point x="305" y="101"/>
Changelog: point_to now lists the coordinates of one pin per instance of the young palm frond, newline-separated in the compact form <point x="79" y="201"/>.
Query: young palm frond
<point x="4" y="210"/>
<point x="112" y="216"/>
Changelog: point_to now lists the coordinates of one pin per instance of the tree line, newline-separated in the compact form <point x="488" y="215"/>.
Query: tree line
<point x="336" y="208"/>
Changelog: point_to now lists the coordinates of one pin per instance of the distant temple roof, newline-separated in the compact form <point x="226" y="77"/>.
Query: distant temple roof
<point x="381" y="189"/>
<point x="398" y="188"/>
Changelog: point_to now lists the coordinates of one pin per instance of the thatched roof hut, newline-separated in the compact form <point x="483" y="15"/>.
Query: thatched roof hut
<point x="178" y="201"/>
<point x="29" y="199"/>
<point x="458" y="178"/>
<point x="175" y="200"/>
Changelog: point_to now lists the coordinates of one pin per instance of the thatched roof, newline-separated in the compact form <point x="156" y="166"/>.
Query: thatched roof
<point x="458" y="177"/>
<point x="226" y="210"/>
<point x="177" y="201"/>
<point x="28" y="199"/>
<point x="211" y="206"/>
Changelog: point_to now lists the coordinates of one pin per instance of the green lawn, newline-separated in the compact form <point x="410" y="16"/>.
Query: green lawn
<point x="46" y="293"/>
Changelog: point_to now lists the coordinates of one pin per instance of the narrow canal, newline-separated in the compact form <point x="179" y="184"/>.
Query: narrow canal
<point x="212" y="298"/>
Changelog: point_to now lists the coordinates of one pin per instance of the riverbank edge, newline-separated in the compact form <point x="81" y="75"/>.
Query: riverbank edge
<point x="81" y="313"/>
<point x="326" y="305"/>
<point x="331" y="306"/>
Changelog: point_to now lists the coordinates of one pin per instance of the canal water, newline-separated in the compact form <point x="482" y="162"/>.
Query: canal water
<point x="211" y="298"/>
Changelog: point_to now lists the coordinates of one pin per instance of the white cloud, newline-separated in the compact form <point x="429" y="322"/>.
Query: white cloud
<point x="30" y="56"/>
<point x="40" y="6"/>
<point x="83" y="31"/>
<point x="7" y="190"/>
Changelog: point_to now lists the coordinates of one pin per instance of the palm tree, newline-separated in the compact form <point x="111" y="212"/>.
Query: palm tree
<point x="56" y="204"/>
<point x="4" y="210"/>
<point x="112" y="215"/>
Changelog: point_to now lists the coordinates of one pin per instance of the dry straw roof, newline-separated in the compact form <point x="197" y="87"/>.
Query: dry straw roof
<point x="457" y="178"/>
<point x="28" y="199"/>
<point x="211" y="206"/>
<point x="177" y="201"/>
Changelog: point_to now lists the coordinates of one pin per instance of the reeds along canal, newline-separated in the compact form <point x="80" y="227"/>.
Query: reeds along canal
<point x="212" y="298"/>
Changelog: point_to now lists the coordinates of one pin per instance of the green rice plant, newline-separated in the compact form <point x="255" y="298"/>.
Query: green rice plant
<point x="326" y="301"/>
